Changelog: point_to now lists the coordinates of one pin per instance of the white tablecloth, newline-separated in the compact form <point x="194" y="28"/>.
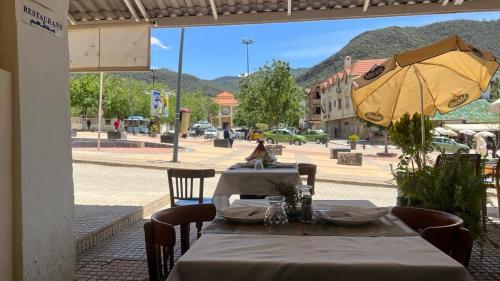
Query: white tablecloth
<point x="236" y="257"/>
<point x="251" y="182"/>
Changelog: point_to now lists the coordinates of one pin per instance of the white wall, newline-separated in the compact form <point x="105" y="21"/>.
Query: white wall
<point x="41" y="210"/>
<point x="6" y="198"/>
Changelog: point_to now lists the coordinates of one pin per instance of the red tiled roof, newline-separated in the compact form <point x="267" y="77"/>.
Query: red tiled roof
<point x="225" y="99"/>
<point x="358" y="68"/>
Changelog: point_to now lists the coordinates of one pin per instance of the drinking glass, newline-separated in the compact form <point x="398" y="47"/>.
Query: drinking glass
<point x="301" y="189"/>
<point x="275" y="213"/>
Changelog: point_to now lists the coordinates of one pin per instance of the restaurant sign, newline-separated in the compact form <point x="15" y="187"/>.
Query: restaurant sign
<point x="42" y="18"/>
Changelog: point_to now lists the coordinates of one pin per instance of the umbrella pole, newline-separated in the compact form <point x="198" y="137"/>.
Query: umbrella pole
<point x="422" y="118"/>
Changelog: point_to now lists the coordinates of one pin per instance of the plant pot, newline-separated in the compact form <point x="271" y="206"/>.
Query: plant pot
<point x="353" y="145"/>
<point x="276" y="149"/>
<point x="153" y="135"/>
<point x="168" y="138"/>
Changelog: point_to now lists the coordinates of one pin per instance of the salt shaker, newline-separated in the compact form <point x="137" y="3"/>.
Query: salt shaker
<point x="306" y="211"/>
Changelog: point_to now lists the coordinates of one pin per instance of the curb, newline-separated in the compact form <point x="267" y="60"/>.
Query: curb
<point x="113" y="228"/>
<point x="219" y="171"/>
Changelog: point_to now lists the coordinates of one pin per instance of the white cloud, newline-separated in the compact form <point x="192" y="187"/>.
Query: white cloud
<point x="156" y="42"/>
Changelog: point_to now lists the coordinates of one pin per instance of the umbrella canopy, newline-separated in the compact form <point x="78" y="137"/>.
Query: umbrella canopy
<point x="495" y="107"/>
<point x="441" y="130"/>
<point x="484" y="134"/>
<point x="467" y="132"/>
<point x="439" y="77"/>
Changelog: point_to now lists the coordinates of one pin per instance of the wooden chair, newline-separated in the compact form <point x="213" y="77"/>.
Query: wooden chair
<point x="184" y="192"/>
<point x="493" y="180"/>
<point x="441" y="229"/>
<point x="184" y="216"/>
<point x="475" y="161"/>
<point x="160" y="241"/>
<point x="308" y="170"/>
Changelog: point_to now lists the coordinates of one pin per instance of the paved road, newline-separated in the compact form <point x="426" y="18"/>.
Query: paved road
<point x="107" y="185"/>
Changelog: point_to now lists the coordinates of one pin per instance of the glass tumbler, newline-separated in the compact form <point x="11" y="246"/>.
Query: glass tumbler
<point x="275" y="213"/>
<point x="258" y="164"/>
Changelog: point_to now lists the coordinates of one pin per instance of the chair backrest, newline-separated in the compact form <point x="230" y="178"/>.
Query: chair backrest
<point x="160" y="241"/>
<point x="438" y="228"/>
<point x="181" y="183"/>
<point x="474" y="160"/>
<point x="308" y="170"/>
<point x="184" y="216"/>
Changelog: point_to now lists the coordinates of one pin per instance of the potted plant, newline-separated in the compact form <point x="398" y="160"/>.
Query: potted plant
<point x="353" y="140"/>
<point x="452" y="187"/>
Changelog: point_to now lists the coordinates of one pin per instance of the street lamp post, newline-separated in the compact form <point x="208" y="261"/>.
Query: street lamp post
<point x="247" y="42"/>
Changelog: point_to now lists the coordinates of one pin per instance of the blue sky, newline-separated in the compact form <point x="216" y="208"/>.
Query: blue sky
<point x="211" y="52"/>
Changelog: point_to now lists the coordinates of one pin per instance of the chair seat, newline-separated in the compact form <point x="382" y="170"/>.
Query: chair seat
<point x="185" y="202"/>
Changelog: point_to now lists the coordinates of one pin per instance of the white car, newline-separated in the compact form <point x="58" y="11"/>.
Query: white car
<point x="210" y="133"/>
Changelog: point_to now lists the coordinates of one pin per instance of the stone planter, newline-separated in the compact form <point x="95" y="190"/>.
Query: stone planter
<point x="334" y="152"/>
<point x="221" y="143"/>
<point x="112" y="135"/>
<point x="350" y="158"/>
<point x="353" y="145"/>
<point x="276" y="149"/>
<point x="169" y="138"/>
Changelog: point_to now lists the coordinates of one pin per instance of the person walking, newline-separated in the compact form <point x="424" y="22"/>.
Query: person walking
<point x="116" y="124"/>
<point x="228" y="136"/>
<point x="88" y="124"/>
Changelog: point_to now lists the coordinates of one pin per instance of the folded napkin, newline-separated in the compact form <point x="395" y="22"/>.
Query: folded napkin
<point x="354" y="213"/>
<point x="243" y="213"/>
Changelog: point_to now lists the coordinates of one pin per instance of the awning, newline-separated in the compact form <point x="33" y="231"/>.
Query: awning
<point x="491" y="127"/>
<point x="171" y="13"/>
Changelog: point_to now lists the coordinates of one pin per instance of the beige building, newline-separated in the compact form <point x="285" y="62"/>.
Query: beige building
<point x="313" y="113"/>
<point x="337" y="112"/>
<point x="36" y="183"/>
<point x="227" y="105"/>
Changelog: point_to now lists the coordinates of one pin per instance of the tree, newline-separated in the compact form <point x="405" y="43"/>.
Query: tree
<point x="270" y="96"/>
<point x="495" y="90"/>
<point x="200" y="106"/>
<point x="84" y="91"/>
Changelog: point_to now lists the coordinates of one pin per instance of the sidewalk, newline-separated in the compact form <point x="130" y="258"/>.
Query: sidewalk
<point x="199" y="153"/>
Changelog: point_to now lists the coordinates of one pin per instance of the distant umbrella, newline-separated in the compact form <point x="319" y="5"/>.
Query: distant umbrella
<point x="485" y="134"/>
<point x="467" y="132"/>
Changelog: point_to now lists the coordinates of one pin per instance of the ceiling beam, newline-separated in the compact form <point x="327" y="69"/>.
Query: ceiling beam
<point x="214" y="9"/>
<point x="366" y="4"/>
<point x="71" y="19"/>
<point x="142" y="10"/>
<point x="374" y="11"/>
<point x="289" y="8"/>
<point x="131" y="9"/>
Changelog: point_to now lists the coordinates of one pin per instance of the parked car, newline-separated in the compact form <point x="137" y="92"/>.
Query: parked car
<point x="256" y="135"/>
<point x="239" y="133"/>
<point x="317" y="136"/>
<point x="201" y="125"/>
<point x="284" y="136"/>
<point x="211" y="133"/>
<point x="449" y="145"/>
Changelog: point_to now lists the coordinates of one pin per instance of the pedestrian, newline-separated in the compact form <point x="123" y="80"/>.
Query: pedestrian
<point x="116" y="124"/>
<point x="150" y="126"/>
<point x="490" y="144"/>
<point x="88" y="124"/>
<point x="481" y="146"/>
<point x="227" y="135"/>
<point x="246" y="133"/>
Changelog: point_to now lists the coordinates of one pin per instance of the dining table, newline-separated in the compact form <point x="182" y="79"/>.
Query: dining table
<point x="385" y="250"/>
<point x="239" y="180"/>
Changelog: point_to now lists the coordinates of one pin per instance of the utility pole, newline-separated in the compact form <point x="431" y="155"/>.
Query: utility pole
<point x="247" y="42"/>
<point x="175" y="157"/>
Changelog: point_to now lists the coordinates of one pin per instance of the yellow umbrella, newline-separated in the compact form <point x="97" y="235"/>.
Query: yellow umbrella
<point x="438" y="77"/>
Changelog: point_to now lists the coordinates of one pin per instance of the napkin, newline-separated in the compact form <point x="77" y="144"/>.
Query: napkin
<point x="354" y="213"/>
<point x="242" y="213"/>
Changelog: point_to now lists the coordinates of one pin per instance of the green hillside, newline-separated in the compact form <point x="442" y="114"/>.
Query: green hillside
<point x="382" y="43"/>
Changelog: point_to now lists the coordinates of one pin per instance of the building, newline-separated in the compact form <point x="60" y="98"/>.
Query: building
<point x="313" y="112"/>
<point x="227" y="105"/>
<point x="337" y="113"/>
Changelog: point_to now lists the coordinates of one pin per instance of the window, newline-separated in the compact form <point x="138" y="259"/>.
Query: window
<point x="318" y="110"/>
<point x="347" y="101"/>
<point x="330" y="107"/>
<point x="340" y="103"/>
<point x="225" y="110"/>
<point x="318" y="96"/>
<point x="334" y="104"/>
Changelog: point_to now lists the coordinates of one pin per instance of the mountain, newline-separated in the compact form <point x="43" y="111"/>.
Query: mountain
<point x="383" y="43"/>
<point x="192" y="83"/>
